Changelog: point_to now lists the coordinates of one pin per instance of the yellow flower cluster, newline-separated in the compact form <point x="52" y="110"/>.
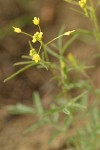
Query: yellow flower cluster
<point x="38" y="36"/>
<point x="72" y="59"/>
<point x="36" y="58"/>
<point x="34" y="55"/>
<point x="31" y="52"/>
<point x="83" y="5"/>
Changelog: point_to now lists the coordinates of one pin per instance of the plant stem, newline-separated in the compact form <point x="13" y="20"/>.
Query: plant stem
<point x="54" y="39"/>
<point x="94" y="20"/>
<point x="27" y="34"/>
<point x="45" y="52"/>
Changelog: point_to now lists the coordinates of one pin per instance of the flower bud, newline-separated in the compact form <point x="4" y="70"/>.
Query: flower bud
<point x="17" y="30"/>
<point x="36" y="58"/>
<point x="36" y="21"/>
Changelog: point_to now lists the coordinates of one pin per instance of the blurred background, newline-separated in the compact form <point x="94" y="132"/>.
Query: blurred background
<point x="53" y="15"/>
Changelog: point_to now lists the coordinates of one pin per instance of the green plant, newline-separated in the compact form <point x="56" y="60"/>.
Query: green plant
<point x="87" y="138"/>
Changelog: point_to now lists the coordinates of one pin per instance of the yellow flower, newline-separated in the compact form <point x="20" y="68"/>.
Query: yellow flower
<point x="36" y="21"/>
<point x="69" y="32"/>
<point x="82" y="3"/>
<point x="63" y="65"/>
<point x="72" y="59"/>
<point x="17" y="30"/>
<point x="34" y="40"/>
<point x="36" y="58"/>
<point x="37" y="37"/>
<point x="32" y="51"/>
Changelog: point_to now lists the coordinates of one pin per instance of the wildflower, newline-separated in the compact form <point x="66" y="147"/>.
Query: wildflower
<point x="63" y="65"/>
<point x="83" y="5"/>
<point x="32" y="52"/>
<point x="34" y="39"/>
<point x="36" y="58"/>
<point x="69" y="32"/>
<point x="72" y="59"/>
<point x="17" y="30"/>
<point x="37" y="37"/>
<point x="36" y="21"/>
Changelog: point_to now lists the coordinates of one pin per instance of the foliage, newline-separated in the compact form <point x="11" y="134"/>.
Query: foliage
<point x="75" y="109"/>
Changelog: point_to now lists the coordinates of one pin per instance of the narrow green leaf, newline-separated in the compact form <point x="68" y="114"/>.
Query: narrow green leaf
<point x="53" y="136"/>
<point x="59" y="41"/>
<point x="79" y="106"/>
<point x="79" y="96"/>
<point x="18" y="72"/>
<point x="83" y="31"/>
<point x="69" y="42"/>
<point x="44" y="66"/>
<point x="45" y="52"/>
<point x="52" y="52"/>
<point x="19" y="109"/>
<point x="80" y="12"/>
<point x="27" y="57"/>
<point x="43" y="56"/>
<point x="38" y="103"/>
<point x="23" y="63"/>
<point x="71" y="2"/>
<point x="54" y="46"/>
<point x="51" y="111"/>
<point x="35" y="126"/>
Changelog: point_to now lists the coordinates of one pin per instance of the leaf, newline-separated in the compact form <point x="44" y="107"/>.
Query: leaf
<point x="79" y="106"/>
<point x="45" y="52"/>
<point x="66" y="111"/>
<point x="53" y="136"/>
<point x="69" y="42"/>
<point x="44" y="66"/>
<point x="35" y="126"/>
<point x="18" y="72"/>
<point x="52" y="52"/>
<point x="79" y="96"/>
<point x="55" y="46"/>
<point x="23" y="63"/>
<point x="83" y="31"/>
<point x="27" y="57"/>
<point x="97" y="92"/>
<point x="38" y="104"/>
<point x="51" y="111"/>
<point x="19" y="109"/>
<point x="60" y="39"/>
<point x="71" y="2"/>
<point x="80" y="12"/>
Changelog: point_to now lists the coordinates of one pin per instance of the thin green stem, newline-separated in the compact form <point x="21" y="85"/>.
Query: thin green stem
<point x="27" y="34"/>
<point x="54" y="39"/>
<point x="39" y="28"/>
<point x="45" y="52"/>
<point x="94" y="21"/>
<point x="40" y="48"/>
